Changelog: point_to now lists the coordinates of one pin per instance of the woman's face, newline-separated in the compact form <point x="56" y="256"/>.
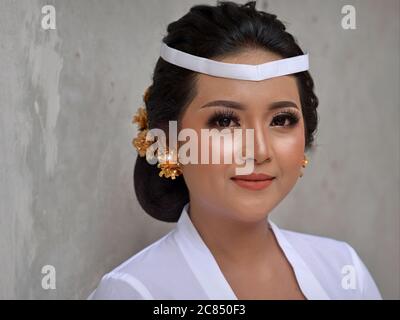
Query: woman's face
<point x="278" y="139"/>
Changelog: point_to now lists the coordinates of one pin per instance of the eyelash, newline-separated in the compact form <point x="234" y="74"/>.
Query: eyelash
<point x="231" y="116"/>
<point x="220" y="115"/>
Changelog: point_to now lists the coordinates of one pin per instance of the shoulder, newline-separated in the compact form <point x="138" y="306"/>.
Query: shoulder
<point x="132" y="278"/>
<point x="336" y="263"/>
<point x="319" y="246"/>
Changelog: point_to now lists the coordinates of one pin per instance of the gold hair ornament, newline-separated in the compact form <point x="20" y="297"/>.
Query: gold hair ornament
<point x="170" y="168"/>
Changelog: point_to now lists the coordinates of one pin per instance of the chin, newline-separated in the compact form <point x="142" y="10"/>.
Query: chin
<point x="251" y="211"/>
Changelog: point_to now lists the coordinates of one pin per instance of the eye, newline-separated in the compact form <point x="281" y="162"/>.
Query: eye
<point x="223" y="119"/>
<point x="286" y="119"/>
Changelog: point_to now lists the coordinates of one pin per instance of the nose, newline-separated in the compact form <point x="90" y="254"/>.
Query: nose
<point x="261" y="149"/>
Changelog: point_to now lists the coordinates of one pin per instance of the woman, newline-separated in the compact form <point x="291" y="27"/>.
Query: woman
<point x="228" y="67"/>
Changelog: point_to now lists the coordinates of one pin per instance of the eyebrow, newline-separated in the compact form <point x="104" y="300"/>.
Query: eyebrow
<point x="237" y="105"/>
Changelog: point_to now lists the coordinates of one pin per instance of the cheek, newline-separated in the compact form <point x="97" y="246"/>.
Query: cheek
<point x="289" y="150"/>
<point x="208" y="179"/>
<point x="222" y="149"/>
<point x="205" y="180"/>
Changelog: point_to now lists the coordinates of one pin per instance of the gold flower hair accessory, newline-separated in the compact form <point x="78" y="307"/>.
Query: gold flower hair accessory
<point x="169" y="167"/>
<point x="140" y="142"/>
<point x="141" y="119"/>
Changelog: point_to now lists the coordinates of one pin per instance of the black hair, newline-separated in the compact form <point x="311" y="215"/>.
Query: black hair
<point x="210" y="32"/>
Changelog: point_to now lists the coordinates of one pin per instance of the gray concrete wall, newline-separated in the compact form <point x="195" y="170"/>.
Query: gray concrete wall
<point x="67" y="97"/>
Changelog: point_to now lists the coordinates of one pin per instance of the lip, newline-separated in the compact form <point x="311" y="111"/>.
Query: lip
<point x="254" y="177"/>
<point x="253" y="181"/>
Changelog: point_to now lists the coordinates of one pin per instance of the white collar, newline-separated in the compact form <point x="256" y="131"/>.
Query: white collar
<point x="210" y="276"/>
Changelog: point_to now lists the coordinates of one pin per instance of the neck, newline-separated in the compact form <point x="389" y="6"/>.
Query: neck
<point x="232" y="240"/>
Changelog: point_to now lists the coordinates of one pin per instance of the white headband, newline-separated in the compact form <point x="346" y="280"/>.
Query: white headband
<point x="235" y="70"/>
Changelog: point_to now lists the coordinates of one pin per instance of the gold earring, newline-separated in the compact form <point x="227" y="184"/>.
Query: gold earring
<point x="169" y="167"/>
<point x="305" y="162"/>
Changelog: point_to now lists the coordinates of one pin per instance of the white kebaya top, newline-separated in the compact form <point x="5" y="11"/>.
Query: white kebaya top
<point x="180" y="266"/>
